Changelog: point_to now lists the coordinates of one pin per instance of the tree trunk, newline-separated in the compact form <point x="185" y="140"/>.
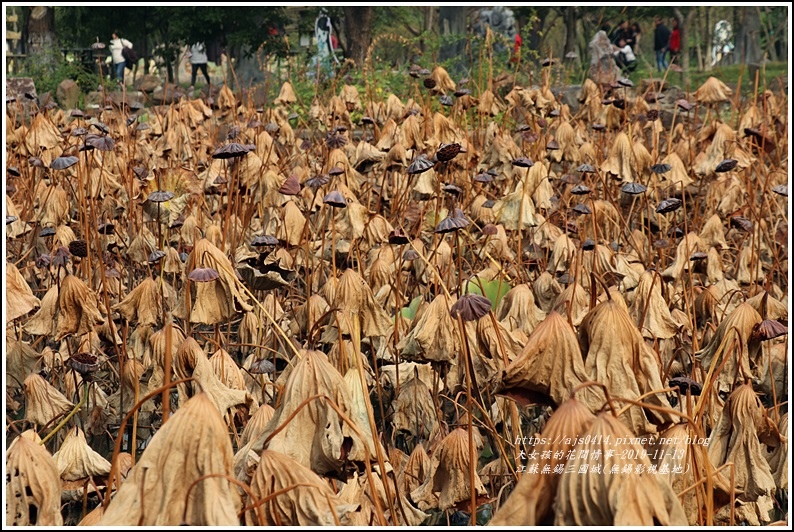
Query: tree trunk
<point x="708" y="31"/>
<point x="770" y="35"/>
<point x="748" y="33"/>
<point x="452" y="28"/>
<point x="358" y="31"/>
<point x="40" y="29"/>
<point x="684" y="23"/>
<point x="429" y="15"/>
<point x="570" y="30"/>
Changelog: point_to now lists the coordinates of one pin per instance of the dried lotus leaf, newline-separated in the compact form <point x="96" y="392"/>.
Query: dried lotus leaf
<point x="78" y="313"/>
<point x="311" y="502"/>
<point x="256" y="424"/>
<point x="517" y="310"/>
<point x="315" y="436"/>
<point x="414" y="411"/>
<point x="76" y="460"/>
<point x="551" y="365"/>
<point x="19" y="297"/>
<point x="33" y="486"/>
<point x="737" y="327"/>
<point x="617" y="355"/>
<point x="649" y="309"/>
<point x="449" y="482"/>
<point x="432" y="336"/>
<point x="530" y="503"/>
<point x="143" y="305"/>
<point x="735" y="438"/>
<point x="43" y="402"/>
<point x="192" y="444"/>
<point x="598" y="498"/>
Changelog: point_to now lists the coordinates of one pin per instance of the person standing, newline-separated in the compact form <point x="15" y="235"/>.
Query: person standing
<point x="637" y="35"/>
<point x="675" y="42"/>
<point x="117" y="44"/>
<point x="661" y="43"/>
<point x="198" y="61"/>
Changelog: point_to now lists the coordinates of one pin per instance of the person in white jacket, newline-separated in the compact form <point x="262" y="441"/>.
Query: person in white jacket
<point x="198" y="61"/>
<point x="117" y="44"/>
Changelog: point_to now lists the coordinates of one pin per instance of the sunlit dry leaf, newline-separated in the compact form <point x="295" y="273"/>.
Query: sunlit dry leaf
<point x="312" y="502"/>
<point x="530" y="504"/>
<point x="735" y="439"/>
<point x="598" y="498"/>
<point x="448" y="482"/>
<point x="33" y="486"/>
<point x="76" y="460"/>
<point x="193" y="443"/>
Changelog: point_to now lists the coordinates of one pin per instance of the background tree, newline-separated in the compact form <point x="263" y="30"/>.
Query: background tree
<point x="38" y="29"/>
<point x="358" y="31"/>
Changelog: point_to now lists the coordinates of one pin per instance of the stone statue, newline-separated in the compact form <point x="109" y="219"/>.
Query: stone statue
<point x="603" y="69"/>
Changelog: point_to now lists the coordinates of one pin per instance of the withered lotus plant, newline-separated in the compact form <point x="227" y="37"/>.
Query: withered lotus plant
<point x="601" y="498"/>
<point x="33" y="486"/>
<point x="256" y="424"/>
<point x="617" y="355"/>
<point x="432" y="337"/>
<point x="21" y="359"/>
<point x="310" y="502"/>
<point x="531" y="502"/>
<point x="550" y="367"/>
<point x="19" y="297"/>
<point x="316" y="436"/>
<point x="78" y="313"/>
<point x="414" y="411"/>
<point x="742" y="432"/>
<point x="144" y="304"/>
<point x="43" y="402"/>
<point x="649" y="309"/>
<point x="216" y="301"/>
<point x="182" y="476"/>
<point x="732" y="347"/>
<point x="448" y="482"/>
<point x="517" y="310"/>
<point x="76" y="460"/>
<point x="673" y="449"/>
<point x="191" y="361"/>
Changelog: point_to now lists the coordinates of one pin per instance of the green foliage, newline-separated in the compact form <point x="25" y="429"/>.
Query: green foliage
<point x="409" y="312"/>
<point x="494" y="290"/>
<point x="48" y="68"/>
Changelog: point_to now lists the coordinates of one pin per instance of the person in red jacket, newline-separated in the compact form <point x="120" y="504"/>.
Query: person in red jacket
<point x="675" y="43"/>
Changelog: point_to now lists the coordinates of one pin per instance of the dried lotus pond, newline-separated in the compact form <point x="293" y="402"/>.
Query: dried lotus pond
<point x="447" y="302"/>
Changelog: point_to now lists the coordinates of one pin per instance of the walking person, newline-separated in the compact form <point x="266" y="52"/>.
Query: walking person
<point x="661" y="43"/>
<point x="675" y="43"/>
<point x="117" y="44"/>
<point x="198" y="61"/>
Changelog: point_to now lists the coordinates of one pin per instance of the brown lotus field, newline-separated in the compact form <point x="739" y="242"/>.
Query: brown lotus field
<point x="464" y="304"/>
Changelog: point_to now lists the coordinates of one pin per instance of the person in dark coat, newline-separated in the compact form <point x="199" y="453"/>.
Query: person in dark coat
<point x="661" y="43"/>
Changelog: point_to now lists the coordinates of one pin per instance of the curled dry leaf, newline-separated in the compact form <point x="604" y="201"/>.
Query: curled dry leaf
<point x="33" y="486"/>
<point x="599" y="498"/>
<point x="191" y="361"/>
<point x="193" y="444"/>
<point x="550" y="365"/>
<point x="414" y="410"/>
<point x="43" y="402"/>
<point x="530" y="504"/>
<point x="737" y="438"/>
<point x="732" y="344"/>
<point x="77" y="308"/>
<point x="76" y="460"/>
<point x="432" y="336"/>
<point x="315" y="435"/>
<point x="310" y="502"/>
<point x="649" y="309"/>
<point x="19" y="297"/>
<point x="143" y="305"/>
<point x="448" y="482"/>
<point x="617" y="355"/>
